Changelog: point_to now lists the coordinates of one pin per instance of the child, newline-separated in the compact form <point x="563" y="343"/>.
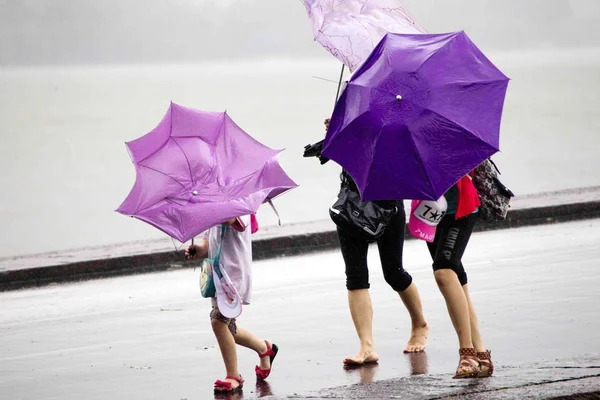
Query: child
<point x="236" y="261"/>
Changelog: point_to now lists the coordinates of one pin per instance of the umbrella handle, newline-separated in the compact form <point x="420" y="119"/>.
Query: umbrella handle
<point x="192" y="251"/>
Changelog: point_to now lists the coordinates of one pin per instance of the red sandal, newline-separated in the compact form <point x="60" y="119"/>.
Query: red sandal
<point x="272" y="350"/>
<point x="485" y="361"/>
<point x="227" y="387"/>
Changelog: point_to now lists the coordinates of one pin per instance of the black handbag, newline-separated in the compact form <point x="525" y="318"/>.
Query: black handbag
<point x="494" y="196"/>
<point x="365" y="219"/>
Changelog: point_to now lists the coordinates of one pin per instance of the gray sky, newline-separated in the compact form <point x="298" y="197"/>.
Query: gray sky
<point x="38" y="32"/>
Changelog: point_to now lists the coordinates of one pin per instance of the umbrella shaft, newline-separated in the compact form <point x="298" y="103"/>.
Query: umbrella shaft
<point x="339" y="85"/>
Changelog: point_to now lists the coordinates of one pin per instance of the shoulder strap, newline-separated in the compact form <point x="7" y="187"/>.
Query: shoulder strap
<point x="495" y="166"/>
<point x="218" y="255"/>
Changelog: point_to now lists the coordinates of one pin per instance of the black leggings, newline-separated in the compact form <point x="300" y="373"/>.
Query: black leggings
<point x="390" y="244"/>
<point x="451" y="239"/>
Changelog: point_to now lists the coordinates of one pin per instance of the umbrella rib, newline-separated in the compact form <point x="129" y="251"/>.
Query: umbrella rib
<point x="157" y="226"/>
<point x="371" y="88"/>
<point x="457" y="124"/>
<point x="365" y="28"/>
<point x="334" y="48"/>
<point x="436" y="52"/>
<point x="162" y="173"/>
<point x="470" y="82"/>
<point x="186" y="159"/>
<point x="414" y="146"/>
<point x="421" y="164"/>
<point x="167" y="199"/>
<point x="374" y="151"/>
<point x="450" y="119"/>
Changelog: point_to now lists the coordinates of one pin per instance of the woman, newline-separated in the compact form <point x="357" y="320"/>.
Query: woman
<point x="390" y="245"/>
<point x="451" y="239"/>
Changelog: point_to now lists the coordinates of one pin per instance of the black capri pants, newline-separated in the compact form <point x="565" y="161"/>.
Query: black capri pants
<point x="390" y="244"/>
<point x="451" y="239"/>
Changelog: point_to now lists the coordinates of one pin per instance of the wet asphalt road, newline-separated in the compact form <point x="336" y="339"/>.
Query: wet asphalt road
<point x="148" y="336"/>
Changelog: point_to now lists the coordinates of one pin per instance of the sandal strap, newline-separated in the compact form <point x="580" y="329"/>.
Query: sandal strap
<point x="466" y="351"/>
<point x="468" y="358"/>
<point x="269" y="351"/>
<point x="239" y="379"/>
<point x="485" y="361"/>
<point x="470" y="362"/>
<point x="223" y="384"/>
<point x="262" y="373"/>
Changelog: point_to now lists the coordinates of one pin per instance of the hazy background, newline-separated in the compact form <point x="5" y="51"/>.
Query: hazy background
<point x="80" y="77"/>
<point x="43" y="32"/>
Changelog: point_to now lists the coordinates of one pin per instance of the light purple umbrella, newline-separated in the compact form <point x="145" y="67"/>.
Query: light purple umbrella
<point x="420" y="113"/>
<point x="350" y="29"/>
<point x="197" y="169"/>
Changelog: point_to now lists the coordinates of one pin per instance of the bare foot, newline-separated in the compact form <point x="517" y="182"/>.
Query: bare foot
<point x="418" y="339"/>
<point x="362" y="357"/>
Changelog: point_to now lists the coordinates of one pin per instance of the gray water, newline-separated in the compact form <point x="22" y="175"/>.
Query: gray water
<point x="65" y="168"/>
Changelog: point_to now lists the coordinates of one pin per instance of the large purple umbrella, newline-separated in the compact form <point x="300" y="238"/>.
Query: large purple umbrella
<point x="420" y="113"/>
<point x="197" y="169"/>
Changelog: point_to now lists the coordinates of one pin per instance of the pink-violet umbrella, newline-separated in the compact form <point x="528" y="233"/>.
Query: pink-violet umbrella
<point x="350" y="29"/>
<point x="197" y="169"/>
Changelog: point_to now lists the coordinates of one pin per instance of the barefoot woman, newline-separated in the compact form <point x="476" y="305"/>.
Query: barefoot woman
<point x="390" y="245"/>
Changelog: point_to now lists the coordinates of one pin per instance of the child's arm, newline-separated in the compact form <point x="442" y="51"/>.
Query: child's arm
<point x="201" y="250"/>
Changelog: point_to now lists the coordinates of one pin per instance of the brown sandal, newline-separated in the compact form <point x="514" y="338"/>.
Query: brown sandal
<point x="469" y="363"/>
<point x="485" y="363"/>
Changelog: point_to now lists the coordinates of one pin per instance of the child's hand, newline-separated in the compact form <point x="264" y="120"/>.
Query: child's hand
<point x="197" y="251"/>
<point x="191" y="253"/>
<point x="326" y="122"/>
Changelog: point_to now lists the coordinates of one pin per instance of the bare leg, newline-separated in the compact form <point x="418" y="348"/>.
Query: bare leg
<point x="458" y="308"/>
<point x="475" y="334"/>
<point x="361" y="310"/>
<point x="419" y="328"/>
<point x="485" y="360"/>
<point x="228" y="350"/>
<point x="248" y="340"/>
<point x="457" y="305"/>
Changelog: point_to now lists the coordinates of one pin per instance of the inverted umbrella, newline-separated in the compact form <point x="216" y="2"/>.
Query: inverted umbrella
<point x="197" y="169"/>
<point x="350" y="29"/>
<point x="419" y="114"/>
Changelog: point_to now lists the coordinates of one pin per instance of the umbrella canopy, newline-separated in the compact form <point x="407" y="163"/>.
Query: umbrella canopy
<point x="197" y="169"/>
<point x="350" y="29"/>
<point x="419" y="114"/>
